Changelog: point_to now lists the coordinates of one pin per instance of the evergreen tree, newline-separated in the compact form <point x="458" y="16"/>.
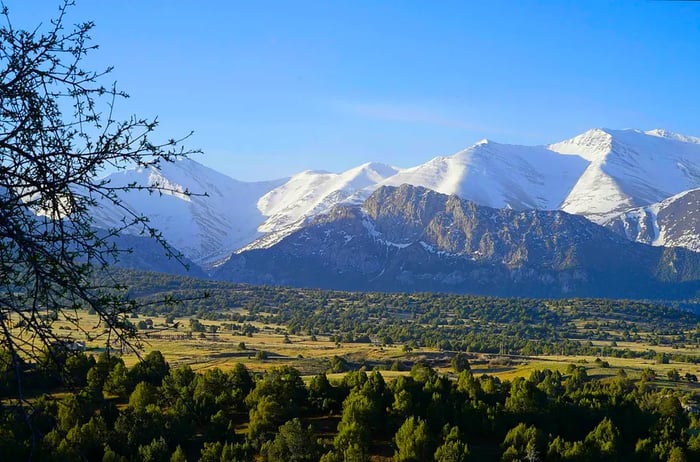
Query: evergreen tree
<point x="293" y="443"/>
<point x="412" y="441"/>
<point x="452" y="448"/>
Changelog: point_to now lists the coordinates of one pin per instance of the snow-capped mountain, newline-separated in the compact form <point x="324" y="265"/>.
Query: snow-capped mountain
<point x="598" y="174"/>
<point x="204" y="228"/>
<point x="310" y="193"/>
<point x="414" y="239"/>
<point x="628" y="169"/>
<point x="499" y="175"/>
<point x="673" y="222"/>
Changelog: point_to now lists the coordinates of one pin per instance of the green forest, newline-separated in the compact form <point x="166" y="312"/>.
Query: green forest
<point x="444" y="321"/>
<point x="89" y="405"/>
<point x="152" y="412"/>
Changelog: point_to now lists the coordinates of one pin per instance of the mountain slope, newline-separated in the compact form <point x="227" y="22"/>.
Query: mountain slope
<point x="499" y="175"/>
<point x="309" y="193"/>
<point x="205" y="228"/>
<point x="597" y="174"/>
<point x="144" y="253"/>
<point x="674" y="222"/>
<point x="629" y="168"/>
<point x="411" y="238"/>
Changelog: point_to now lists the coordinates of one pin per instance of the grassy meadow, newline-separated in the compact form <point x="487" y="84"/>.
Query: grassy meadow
<point x="272" y="346"/>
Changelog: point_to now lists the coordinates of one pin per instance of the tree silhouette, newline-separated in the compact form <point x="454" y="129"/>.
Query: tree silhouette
<point x="58" y="137"/>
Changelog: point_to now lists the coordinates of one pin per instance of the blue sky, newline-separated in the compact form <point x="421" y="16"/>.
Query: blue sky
<point x="273" y="88"/>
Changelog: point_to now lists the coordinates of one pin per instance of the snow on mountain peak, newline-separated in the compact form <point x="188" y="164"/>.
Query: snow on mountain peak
<point x="310" y="193"/>
<point x="598" y="173"/>
<point x="205" y="228"/>
<point x="498" y="175"/>
<point x="661" y="133"/>
<point x="590" y="145"/>
<point x="628" y="168"/>
<point x="372" y="171"/>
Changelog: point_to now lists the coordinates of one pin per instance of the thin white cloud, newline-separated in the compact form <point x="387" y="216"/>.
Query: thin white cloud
<point x="432" y="114"/>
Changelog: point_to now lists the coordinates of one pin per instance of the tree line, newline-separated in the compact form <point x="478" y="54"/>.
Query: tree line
<point x="154" y="412"/>
<point x="443" y="321"/>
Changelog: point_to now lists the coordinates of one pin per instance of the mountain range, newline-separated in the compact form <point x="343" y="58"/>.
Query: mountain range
<point x="411" y="238"/>
<point x="639" y="185"/>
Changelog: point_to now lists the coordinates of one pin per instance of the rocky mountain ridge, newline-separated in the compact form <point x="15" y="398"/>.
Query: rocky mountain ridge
<point x="414" y="239"/>
<point x="673" y="222"/>
<point x="604" y="175"/>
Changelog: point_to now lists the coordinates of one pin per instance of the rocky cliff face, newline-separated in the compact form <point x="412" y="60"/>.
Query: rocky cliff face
<point x="412" y="238"/>
<point x="497" y="236"/>
<point x="674" y="222"/>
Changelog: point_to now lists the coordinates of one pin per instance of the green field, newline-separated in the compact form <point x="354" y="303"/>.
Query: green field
<point x="311" y="356"/>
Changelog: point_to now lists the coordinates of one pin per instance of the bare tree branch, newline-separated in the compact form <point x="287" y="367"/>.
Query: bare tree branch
<point x="58" y="137"/>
